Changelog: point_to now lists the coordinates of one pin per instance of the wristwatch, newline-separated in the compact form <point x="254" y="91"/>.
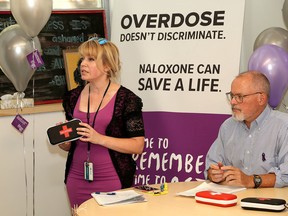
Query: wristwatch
<point x="257" y="181"/>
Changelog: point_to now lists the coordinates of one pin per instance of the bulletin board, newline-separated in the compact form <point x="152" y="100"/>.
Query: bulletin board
<point x="65" y="30"/>
<point x="71" y="58"/>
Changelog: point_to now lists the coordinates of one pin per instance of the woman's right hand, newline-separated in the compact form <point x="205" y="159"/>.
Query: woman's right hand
<point x="65" y="146"/>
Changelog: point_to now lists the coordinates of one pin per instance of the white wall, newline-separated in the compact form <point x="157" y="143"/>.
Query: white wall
<point x="29" y="157"/>
<point x="259" y="15"/>
<point x="50" y="194"/>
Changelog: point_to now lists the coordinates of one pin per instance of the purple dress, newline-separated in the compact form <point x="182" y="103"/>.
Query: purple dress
<point x="105" y="176"/>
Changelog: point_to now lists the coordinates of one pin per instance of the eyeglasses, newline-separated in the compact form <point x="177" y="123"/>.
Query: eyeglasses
<point x="239" y="98"/>
<point x="101" y="41"/>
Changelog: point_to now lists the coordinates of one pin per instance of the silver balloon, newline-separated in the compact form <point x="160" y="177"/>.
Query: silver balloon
<point x="31" y="15"/>
<point x="275" y="36"/>
<point x="15" y="46"/>
<point x="37" y="45"/>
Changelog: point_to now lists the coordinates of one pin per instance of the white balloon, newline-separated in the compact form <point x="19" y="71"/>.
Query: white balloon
<point x="15" y="46"/>
<point x="31" y="15"/>
<point x="274" y="35"/>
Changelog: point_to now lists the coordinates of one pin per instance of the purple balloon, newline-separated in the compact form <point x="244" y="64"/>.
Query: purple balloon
<point x="272" y="61"/>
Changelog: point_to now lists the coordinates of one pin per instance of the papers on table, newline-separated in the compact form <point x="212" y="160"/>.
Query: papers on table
<point x="212" y="187"/>
<point x="116" y="198"/>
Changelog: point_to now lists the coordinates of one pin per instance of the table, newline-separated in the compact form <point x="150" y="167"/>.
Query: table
<point x="173" y="205"/>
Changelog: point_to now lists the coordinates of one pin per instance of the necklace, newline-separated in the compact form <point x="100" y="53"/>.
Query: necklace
<point x="96" y="113"/>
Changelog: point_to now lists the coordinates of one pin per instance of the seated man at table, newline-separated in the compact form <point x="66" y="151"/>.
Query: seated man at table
<point x="251" y="149"/>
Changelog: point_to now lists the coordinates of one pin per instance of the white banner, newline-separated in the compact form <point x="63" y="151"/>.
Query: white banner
<point x="179" y="56"/>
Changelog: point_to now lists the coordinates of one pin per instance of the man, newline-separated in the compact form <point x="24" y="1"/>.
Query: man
<point x="251" y="149"/>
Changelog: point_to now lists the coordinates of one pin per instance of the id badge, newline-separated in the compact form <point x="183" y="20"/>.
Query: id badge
<point x="88" y="171"/>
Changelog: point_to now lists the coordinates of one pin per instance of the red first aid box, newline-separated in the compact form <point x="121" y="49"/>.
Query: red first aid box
<point x="216" y="198"/>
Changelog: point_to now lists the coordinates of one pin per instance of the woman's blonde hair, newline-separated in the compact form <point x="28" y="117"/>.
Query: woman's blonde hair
<point x="102" y="49"/>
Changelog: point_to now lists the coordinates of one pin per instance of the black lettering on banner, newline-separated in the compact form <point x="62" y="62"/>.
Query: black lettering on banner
<point x="204" y="84"/>
<point x="167" y="68"/>
<point x="153" y="83"/>
<point x="206" y="18"/>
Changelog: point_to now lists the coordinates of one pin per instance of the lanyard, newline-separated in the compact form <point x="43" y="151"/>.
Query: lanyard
<point x="88" y="114"/>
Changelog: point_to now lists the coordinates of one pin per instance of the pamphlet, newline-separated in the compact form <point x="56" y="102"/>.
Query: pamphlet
<point x="119" y="197"/>
<point x="211" y="187"/>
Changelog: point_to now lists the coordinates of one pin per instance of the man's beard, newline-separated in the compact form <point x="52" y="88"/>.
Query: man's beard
<point x="238" y="117"/>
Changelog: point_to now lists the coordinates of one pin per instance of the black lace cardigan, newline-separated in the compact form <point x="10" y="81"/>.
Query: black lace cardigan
<point x="127" y="121"/>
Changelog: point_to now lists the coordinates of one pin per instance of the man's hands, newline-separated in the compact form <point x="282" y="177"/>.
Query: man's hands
<point x="215" y="173"/>
<point x="229" y="175"/>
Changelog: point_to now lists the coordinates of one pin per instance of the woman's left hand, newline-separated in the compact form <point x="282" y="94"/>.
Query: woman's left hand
<point x="88" y="133"/>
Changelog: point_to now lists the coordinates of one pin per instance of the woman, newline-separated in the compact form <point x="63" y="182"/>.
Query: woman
<point x="112" y="126"/>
